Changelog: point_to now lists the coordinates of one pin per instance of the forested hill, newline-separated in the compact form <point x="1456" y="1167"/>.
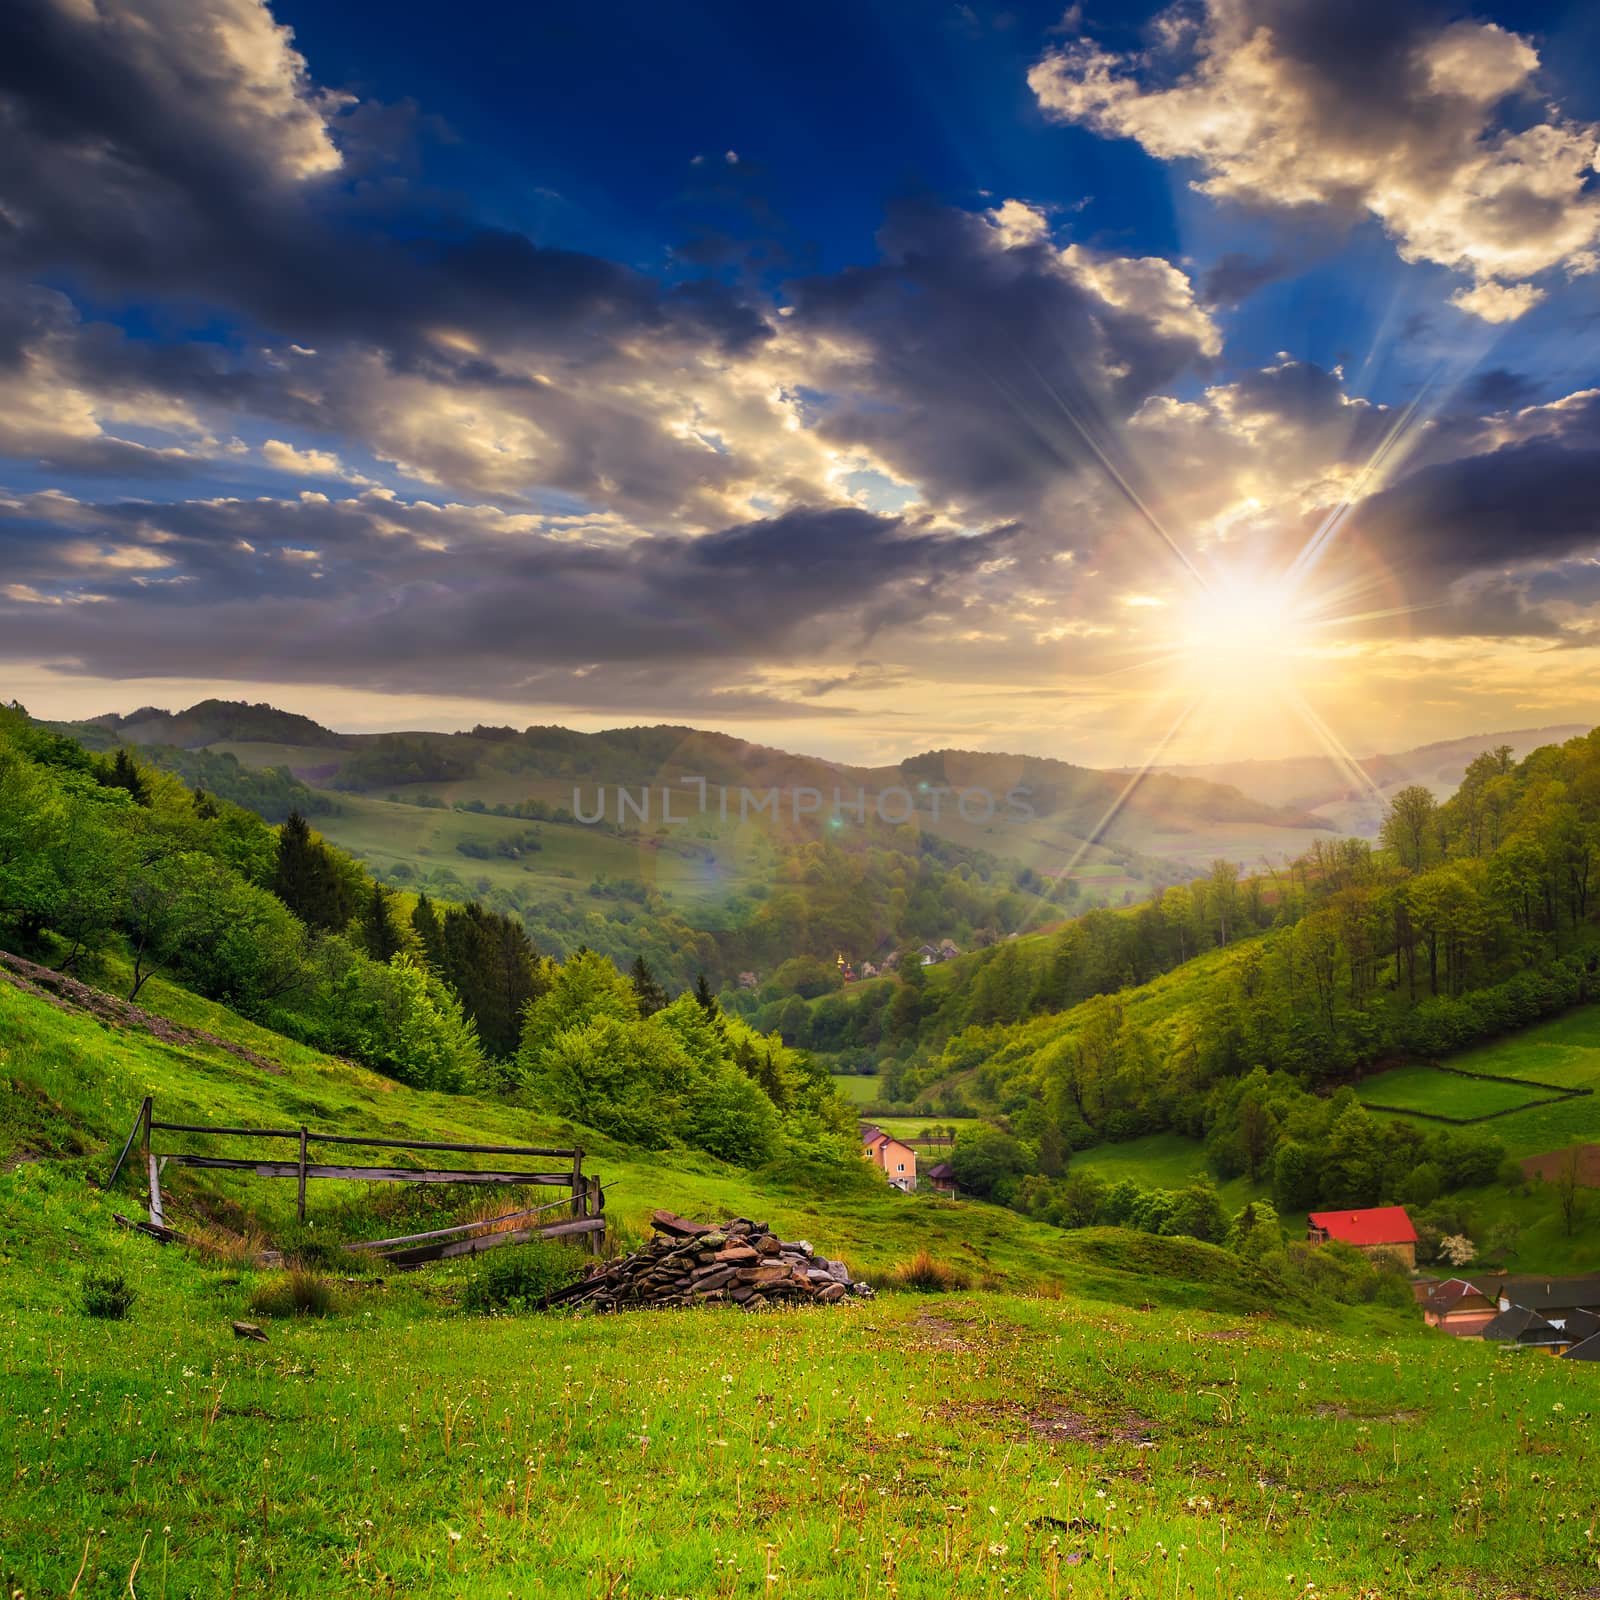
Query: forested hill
<point x="1072" y="796"/>
<point x="1231" y="1009"/>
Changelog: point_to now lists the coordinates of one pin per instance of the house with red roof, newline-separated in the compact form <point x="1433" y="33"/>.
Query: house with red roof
<point x="1379" y="1230"/>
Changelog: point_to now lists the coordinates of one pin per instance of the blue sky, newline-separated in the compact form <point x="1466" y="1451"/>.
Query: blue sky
<point x="859" y="377"/>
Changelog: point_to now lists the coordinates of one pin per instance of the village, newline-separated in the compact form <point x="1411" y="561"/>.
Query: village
<point x="1557" y="1316"/>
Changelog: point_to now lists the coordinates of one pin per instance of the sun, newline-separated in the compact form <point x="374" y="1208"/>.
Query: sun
<point x="1241" y="628"/>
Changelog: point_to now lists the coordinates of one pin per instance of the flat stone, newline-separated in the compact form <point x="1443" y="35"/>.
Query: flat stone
<point x="736" y="1252"/>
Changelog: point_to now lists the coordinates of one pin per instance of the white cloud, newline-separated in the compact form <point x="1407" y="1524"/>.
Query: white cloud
<point x="1413" y="136"/>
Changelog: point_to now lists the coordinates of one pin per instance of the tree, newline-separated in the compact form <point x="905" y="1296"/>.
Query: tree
<point x="381" y="937"/>
<point x="491" y="964"/>
<point x="161" y="898"/>
<point x="310" y="880"/>
<point x="702" y="993"/>
<point x="1410" y="827"/>
<point x="1569" y="1190"/>
<point x="652" y="997"/>
<point x="426" y="926"/>
<point x="125" y="773"/>
<point x="1457" y="1249"/>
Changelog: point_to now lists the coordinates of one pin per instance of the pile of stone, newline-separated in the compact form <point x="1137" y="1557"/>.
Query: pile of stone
<point x="737" y="1262"/>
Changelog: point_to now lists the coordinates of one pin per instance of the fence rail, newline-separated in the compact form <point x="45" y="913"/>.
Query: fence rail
<point x="587" y="1202"/>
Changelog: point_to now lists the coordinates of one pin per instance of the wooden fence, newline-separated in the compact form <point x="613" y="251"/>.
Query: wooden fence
<point x="586" y="1203"/>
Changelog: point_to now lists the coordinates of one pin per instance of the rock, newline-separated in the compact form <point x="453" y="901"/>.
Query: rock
<point x="249" y="1330"/>
<point x="688" y="1263"/>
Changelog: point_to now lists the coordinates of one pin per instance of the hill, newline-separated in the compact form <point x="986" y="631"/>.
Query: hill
<point x="1083" y="837"/>
<point x="1145" y="1395"/>
<point x="1352" y="802"/>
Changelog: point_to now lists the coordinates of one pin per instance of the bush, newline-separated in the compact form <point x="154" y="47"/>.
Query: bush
<point x="521" y="1277"/>
<point x="108" y="1295"/>
<point x="295" y="1294"/>
<point x="922" y="1274"/>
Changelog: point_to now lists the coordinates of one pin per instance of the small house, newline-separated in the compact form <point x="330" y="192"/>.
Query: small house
<point x="1520" y="1326"/>
<point x="1553" y="1298"/>
<point x="898" y="1160"/>
<point x="1379" y="1231"/>
<point x="942" y="1177"/>
<point x="1456" y="1306"/>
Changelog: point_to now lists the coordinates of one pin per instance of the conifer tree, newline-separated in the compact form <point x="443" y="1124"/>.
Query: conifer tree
<point x="702" y="993"/>
<point x="380" y="936"/>
<point x="430" y="935"/>
<point x="308" y="879"/>
<point x="652" y="997"/>
<point x="125" y="774"/>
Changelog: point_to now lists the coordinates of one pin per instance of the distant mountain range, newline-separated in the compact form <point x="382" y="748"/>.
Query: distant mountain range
<point x="1118" y="832"/>
<point x="1353" y="801"/>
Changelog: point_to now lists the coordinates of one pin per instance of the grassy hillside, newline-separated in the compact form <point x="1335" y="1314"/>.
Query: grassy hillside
<point x="1107" y="838"/>
<point x="1153" y="1413"/>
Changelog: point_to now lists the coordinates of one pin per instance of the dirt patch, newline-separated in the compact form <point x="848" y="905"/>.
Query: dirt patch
<point x="1049" y="1417"/>
<point x="1345" y="1414"/>
<point x="935" y="1331"/>
<point x="67" y="994"/>
<point x="1552" y="1166"/>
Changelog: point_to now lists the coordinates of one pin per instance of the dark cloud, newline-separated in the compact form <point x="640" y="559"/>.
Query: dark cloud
<point x="1499" y="389"/>
<point x="1526" y="503"/>
<point x="374" y="592"/>
<point x="1237" y="276"/>
<point x="989" y="369"/>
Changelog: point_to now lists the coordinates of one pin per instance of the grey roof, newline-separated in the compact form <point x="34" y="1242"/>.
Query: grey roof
<point x="1587" y="1350"/>
<point x="1580" y="1324"/>
<point x="1553" y="1294"/>
<point x="1517" y="1324"/>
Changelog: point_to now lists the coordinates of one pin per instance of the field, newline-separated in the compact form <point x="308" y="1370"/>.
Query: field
<point x="1034" y="1435"/>
<point x="421" y="840"/>
<point x="1161" y="1161"/>
<point x="970" y="1445"/>
<point x="1423" y="1088"/>
<point x="1564" y="1051"/>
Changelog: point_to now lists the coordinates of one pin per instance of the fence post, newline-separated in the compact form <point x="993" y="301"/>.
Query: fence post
<point x="139" y="1123"/>
<point x="597" y="1194"/>
<point x="302" y="1172"/>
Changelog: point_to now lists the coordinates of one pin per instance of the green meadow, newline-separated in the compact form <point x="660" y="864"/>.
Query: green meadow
<point x="1098" y="1413"/>
<point x="1418" y="1087"/>
<point x="1564" y="1051"/>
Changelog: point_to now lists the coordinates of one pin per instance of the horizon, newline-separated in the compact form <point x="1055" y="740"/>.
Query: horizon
<point x="1139" y="385"/>
<point x="797" y="748"/>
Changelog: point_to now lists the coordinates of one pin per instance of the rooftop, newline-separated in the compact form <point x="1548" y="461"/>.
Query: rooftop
<point x="1378" y="1225"/>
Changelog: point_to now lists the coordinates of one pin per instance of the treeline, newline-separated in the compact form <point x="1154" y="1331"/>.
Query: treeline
<point x="1473" y="917"/>
<point x="103" y="859"/>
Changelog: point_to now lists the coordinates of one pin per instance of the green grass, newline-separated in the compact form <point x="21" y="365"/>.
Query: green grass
<point x="978" y="1444"/>
<point x="861" y="1091"/>
<point x="1161" y="1161"/>
<point x="1155" y="1413"/>
<point x="1564" y="1051"/>
<point x="1423" y="1088"/>
<point x="388" y="835"/>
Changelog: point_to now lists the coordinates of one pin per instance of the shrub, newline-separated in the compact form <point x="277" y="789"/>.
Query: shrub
<point x="295" y="1294"/>
<point x="519" y="1278"/>
<point x="923" y="1274"/>
<point x="108" y="1295"/>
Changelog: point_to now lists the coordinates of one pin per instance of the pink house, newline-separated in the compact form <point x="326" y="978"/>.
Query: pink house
<point x="898" y="1161"/>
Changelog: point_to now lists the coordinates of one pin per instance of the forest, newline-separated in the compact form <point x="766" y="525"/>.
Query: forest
<point x="112" y="868"/>
<point x="1470" y="918"/>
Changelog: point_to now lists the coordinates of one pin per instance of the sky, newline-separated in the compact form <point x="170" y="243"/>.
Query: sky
<point x="1127" y="384"/>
